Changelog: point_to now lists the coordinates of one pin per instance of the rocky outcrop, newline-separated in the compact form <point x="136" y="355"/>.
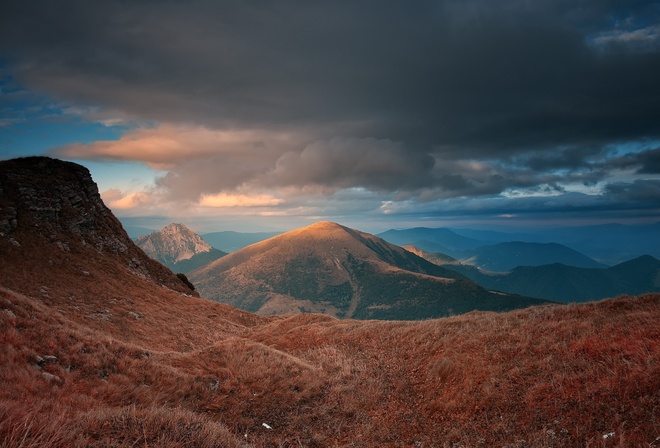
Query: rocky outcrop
<point x="48" y="199"/>
<point x="173" y="243"/>
<point x="58" y="200"/>
<point x="179" y="248"/>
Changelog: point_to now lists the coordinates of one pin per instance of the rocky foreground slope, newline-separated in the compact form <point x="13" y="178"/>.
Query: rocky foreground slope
<point x="97" y="352"/>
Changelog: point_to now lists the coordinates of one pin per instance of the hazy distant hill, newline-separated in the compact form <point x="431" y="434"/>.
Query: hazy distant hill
<point x="506" y="256"/>
<point x="493" y="257"/>
<point x="336" y="270"/>
<point x="178" y="248"/>
<point x="572" y="284"/>
<point x="432" y="240"/>
<point x="611" y="243"/>
<point x="607" y="243"/>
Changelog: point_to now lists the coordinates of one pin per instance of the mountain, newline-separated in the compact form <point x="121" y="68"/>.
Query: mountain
<point x="613" y="243"/>
<point x="564" y="283"/>
<point x="607" y="243"/>
<point x="172" y="244"/>
<point x="178" y="248"/>
<point x="230" y="241"/>
<point x="637" y="276"/>
<point x="506" y="256"/>
<point x="101" y="346"/>
<point x="336" y="270"/>
<point x="493" y="257"/>
<point x="440" y="240"/>
<point x="489" y="236"/>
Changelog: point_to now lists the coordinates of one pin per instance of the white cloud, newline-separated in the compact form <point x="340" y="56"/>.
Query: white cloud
<point x="643" y="36"/>
<point x="118" y="200"/>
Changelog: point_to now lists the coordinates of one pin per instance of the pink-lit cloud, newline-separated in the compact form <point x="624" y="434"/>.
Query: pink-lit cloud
<point x="165" y="146"/>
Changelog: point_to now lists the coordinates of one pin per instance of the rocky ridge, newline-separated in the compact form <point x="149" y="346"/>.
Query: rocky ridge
<point x="57" y="202"/>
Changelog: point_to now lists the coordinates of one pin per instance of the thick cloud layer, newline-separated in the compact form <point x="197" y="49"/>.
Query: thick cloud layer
<point x="423" y="101"/>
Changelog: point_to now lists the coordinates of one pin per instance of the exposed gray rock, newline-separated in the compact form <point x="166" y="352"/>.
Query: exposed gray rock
<point x="172" y="244"/>
<point x="52" y="378"/>
<point x="46" y="359"/>
<point x="102" y="315"/>
<point x="57" y="201"/>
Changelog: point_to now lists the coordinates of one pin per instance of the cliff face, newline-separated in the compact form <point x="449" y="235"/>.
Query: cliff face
<point x="56" y="201"/>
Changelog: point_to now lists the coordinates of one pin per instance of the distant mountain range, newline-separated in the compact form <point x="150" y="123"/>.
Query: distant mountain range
<point x="440" y="240"/>
<point x="499" y="257"/>
<point x="562" y="283"/>
<point x="336" y="270"/>
<point x="607" y="244"/>
<point x="178" y="248"/>
<point x="506" y="256"/>
<point x="548" y="271"/>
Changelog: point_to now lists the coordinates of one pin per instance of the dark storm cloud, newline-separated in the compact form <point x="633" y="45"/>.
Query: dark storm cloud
<point x="650" y="161"/>
<point x="351" y="162"/>
<point x="574" y="158"/>
<point x="474" y="75"/>
<point x="646" y="161"/>
<point x="637" y="191"/>
<point x="431" y="99"/>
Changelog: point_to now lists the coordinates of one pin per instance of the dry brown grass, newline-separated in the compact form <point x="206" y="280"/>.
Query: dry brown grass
<point x="140" y="365"/>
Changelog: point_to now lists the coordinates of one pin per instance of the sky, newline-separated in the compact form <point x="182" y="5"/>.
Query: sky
<point x="254" y="115"/>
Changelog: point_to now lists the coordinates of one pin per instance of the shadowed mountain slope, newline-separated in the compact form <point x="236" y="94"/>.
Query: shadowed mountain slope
<point x="96" y="352"/>
<point x="336" y="270"/>
<point x="563" y="283"/>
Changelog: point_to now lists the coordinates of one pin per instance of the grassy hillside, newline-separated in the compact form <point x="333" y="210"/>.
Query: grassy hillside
<point x="335" y="270"/>
<point x="102" y="347"/>
<point x="553" y="376"/>
<point x="94" y="355"/>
